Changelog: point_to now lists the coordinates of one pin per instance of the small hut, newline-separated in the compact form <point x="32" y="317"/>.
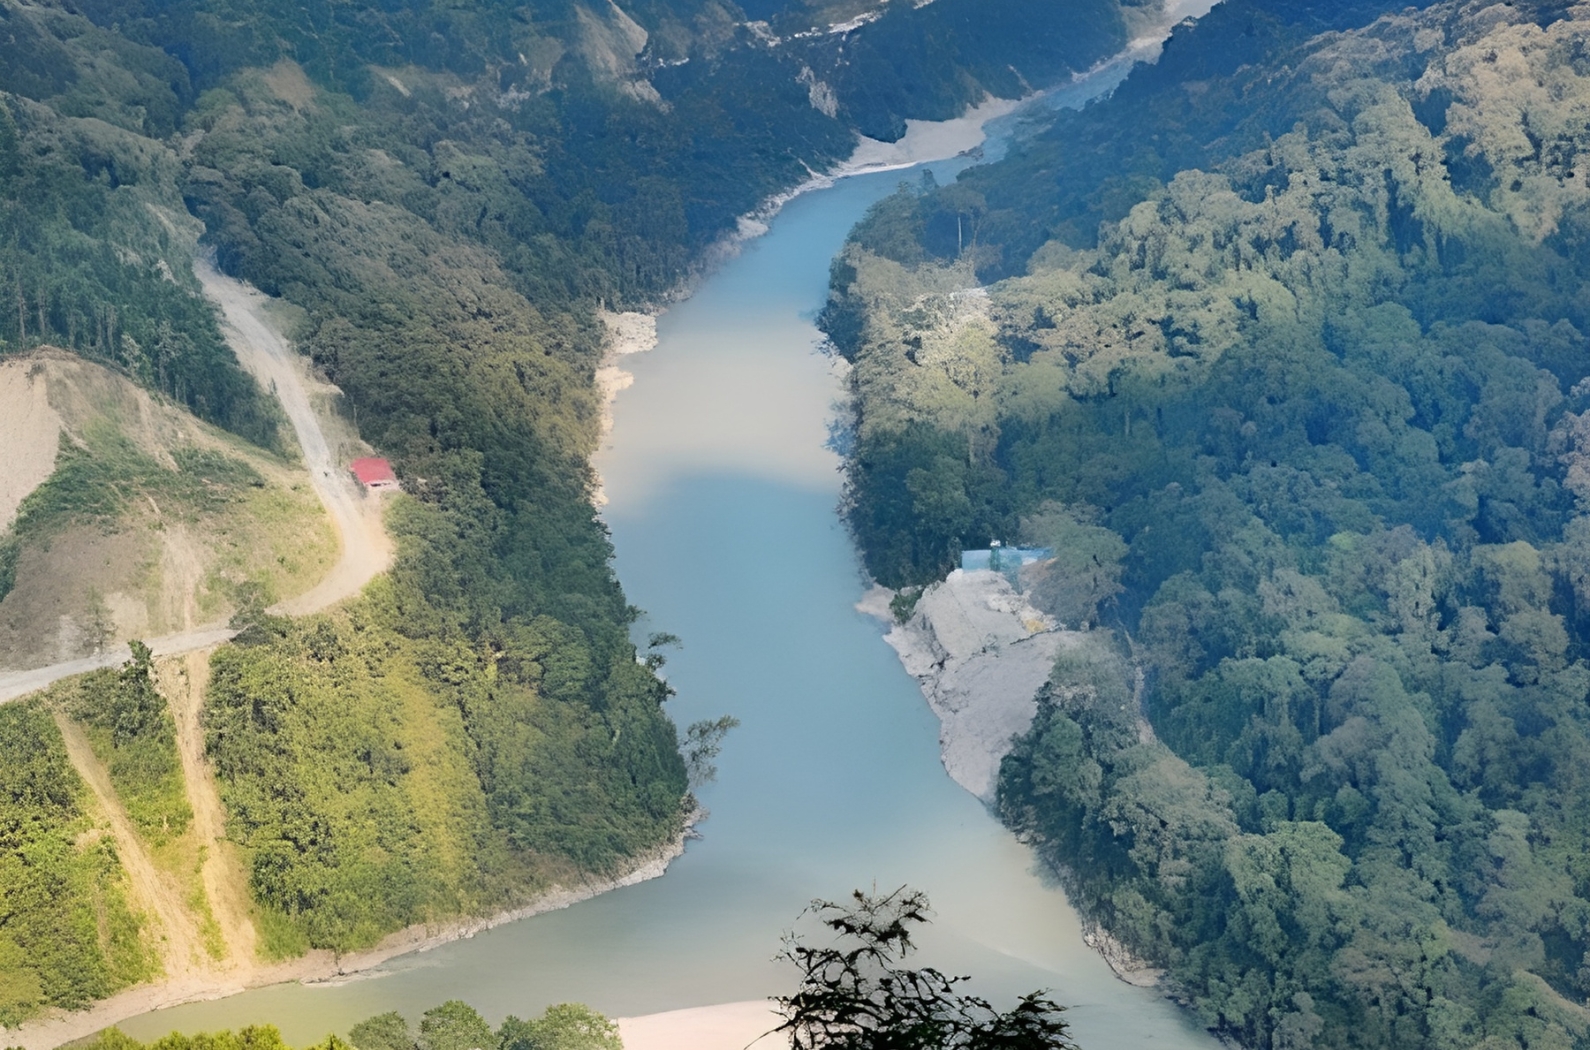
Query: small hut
<point x="374" y="474"/>
<point x="1000" y="558"/>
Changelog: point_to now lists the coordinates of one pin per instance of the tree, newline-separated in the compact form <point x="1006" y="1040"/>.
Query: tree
<point x="1085" y="569"/>
<point x="857" y="996"/>
<point x="702" y="743"/>
<point x="566" y="1026"/>
<point x="388" y="1031"/>
<point x="136" y="707"/>
<point x="455" y="1025"/>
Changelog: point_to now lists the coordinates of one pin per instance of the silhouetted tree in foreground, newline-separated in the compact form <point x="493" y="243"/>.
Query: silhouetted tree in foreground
<point x="856" y="995"/>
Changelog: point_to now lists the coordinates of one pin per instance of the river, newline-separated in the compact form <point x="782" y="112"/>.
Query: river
<point x="723" y="494"/>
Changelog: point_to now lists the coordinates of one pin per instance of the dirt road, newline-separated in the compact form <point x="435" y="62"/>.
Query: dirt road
<point x="21" y="683"/>
<point x="221" y="871"/>
<point x="366" y="549"/>
<point x="265" y="353"/>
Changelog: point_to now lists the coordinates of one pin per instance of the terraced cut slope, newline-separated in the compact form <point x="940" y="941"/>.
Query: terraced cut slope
<point x="88" y="564"/>
<point x="129" y="517"/>
<point x="183" y="757"/>
<point x="134" y="519"/>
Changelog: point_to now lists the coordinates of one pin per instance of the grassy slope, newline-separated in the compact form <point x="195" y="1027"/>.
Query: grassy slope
<point x="66" y="934"/>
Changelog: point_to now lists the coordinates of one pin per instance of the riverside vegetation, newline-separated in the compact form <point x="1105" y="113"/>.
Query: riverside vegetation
<point x="442" y="197"/>
<point x="453" y="1025"/>
<point x="1285" y="345"/>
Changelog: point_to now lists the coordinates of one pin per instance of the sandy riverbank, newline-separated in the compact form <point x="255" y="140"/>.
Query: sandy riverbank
<point x="729" y="1026"/>
<point x="981" y="654"/>
<point x="924" y="141"/>
<point x="323" y="966"/>
<point x="627" y="333"/>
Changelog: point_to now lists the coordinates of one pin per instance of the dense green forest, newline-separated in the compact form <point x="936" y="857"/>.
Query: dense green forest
<point x="447" y="194"/>
<point x="66" y="934"/>
<point x="379" y="778"/>
<point x="1290" y="342"/>
<point x="95" y="243"/>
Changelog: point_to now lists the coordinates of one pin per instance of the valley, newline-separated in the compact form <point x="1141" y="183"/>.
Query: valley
<point x="1201" y="438"/>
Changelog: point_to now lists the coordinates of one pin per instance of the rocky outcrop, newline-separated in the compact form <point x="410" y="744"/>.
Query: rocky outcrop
<point x="1128" y="965"/>
<point x="980" y="652"/>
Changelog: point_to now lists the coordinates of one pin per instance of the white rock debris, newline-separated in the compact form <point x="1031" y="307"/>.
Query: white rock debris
<point x="819" y="94"/>
<point x="980" y="652"/>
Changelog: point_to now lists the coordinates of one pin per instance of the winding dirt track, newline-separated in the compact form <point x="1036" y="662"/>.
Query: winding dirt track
<point x="366" y="552"/>
<point x="366" y="549"/>
<point x="265" y="353"/>
<point x="221" y="872"/>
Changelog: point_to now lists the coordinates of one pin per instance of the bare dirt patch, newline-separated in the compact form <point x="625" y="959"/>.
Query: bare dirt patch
<point x="58" y="608"/>
<point x="223" y="880"/>
<point x="29" y="432"/>
<point x="159" y="565"/>
<point x="176" y="934"/>
<point x="287" y="81"/>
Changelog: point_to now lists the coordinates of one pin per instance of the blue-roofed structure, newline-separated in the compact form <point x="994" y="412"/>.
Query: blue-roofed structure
<point x="1000" y="558"/>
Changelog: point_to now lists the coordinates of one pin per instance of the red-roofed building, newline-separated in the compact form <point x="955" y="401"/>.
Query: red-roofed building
<point x="374" y="473"/>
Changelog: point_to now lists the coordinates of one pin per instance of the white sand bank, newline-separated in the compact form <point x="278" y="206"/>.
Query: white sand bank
<point x="730" y="1026"/>
<point x="627" y="333"/>
<point x="924" y="141"/>
<point x="981" y="654"/>
<point x="927" y="140"/>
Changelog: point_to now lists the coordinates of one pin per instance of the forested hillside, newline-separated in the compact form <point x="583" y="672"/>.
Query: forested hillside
<point x="95" y="241"/>
<point x="67" y="936"/>
<point x="443" y="196"/>
<point x="1291" y="357"/>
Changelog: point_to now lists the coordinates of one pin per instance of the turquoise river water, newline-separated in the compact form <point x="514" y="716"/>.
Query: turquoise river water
<point x="723" y="515"/>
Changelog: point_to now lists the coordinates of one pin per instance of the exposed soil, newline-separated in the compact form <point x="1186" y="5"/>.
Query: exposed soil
<point x="225" y="882"/>
<point x="171" y="922"/>
<point x="155" y="569"/>
<point x="29" y="432"/>
<point x="47" y="617"/>
<point x="265" y="353"/>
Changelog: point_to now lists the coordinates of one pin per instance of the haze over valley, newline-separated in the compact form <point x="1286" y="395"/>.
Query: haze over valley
<point x="672" y="523"/>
